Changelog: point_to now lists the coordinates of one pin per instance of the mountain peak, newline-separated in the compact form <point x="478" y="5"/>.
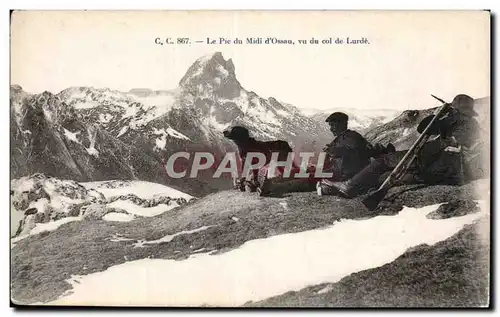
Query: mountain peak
<point x="212" y="74"/>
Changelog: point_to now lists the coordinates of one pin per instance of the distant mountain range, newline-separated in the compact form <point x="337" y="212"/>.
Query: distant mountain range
<point x="91" y="134"/>
<point x="88" y="134"/>
<point x="361" y="120"/>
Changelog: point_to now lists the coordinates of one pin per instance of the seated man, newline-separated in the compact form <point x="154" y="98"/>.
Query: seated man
<point x="461" y="121"/>
<point x="438" y="162"/>
<point x="347" y="154"/>
<point x="468" y="133"/>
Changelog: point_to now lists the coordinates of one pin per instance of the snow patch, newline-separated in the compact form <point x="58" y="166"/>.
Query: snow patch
<point x="123" y="130"/>
<point x="57" y="200"/>
<point x="134" y="209"/>
<point x="40" y="205"/>
<point x="284" y="205"/>
<point x="218" y="126"/>
<point x="18" y="111"/>
<point x="284" y="113"/>
<point x="72" y="135"/>
<point x="42" y="227"/>
<point x="117" y="216"/>
<point x="262" y="114"/>
<point x="53" y="225"/>
<point x="142" y="189"/>
<point x="266" y="267"/>
<point x="325" y="289"/>
<point x="130" y="111"/>
<point x="92" y="150"/>
<point x="201" y="63"/>
<point x="162" y="140"/>
<point x="224" y="72"/>
<point x="170" y="237"/>
<point x="23" y="184"/>
<point x="155" y="101"/>
<point x="176" y="134"/>
<point x="16" y="217"/>
<point x="119" y="238"/>
<point x="241" y="101"/>
<point x="212" y="121"/>
<point x="156" y="106"/>
<point x="48" y="114"/>
<point x="105" y="118"/>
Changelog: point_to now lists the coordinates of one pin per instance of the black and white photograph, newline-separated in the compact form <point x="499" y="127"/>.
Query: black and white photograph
<point x="250" y="159"/>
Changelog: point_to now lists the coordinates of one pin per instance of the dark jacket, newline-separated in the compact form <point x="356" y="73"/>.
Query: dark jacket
<point x="438" y="166"/>
<point x="348" y="153"/>
<point x="465" y="129"/>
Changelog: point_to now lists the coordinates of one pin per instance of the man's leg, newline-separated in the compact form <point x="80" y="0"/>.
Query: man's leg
<point x="279" y="185"/>
<point x="324" y="186"/>
<point x="369" y="176"/>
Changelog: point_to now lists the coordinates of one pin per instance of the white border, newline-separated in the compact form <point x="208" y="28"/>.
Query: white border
<point x="192" y="5"/>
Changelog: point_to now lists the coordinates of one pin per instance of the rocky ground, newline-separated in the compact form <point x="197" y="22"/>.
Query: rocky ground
<point x="39" y="202"/>
<point x="451" y="273"/>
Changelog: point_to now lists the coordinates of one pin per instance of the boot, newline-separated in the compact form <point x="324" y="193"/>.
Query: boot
<point x="344" y="188"/>
<point x="365" y="179"/>
<point x="323" y="189"/>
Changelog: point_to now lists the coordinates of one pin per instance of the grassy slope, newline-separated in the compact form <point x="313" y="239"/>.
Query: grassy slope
<point x="42" y="263"/>
<point x="452" y="273"/>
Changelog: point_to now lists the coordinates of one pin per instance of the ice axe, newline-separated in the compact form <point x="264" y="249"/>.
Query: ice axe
<point x="439" y="99"/>
<point x="373" y="199"/>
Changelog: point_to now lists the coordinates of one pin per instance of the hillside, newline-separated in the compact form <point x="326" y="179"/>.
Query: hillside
<point x="256" y="239"/>
<point x="95" y="220"/>
<point x="40" y="203"/>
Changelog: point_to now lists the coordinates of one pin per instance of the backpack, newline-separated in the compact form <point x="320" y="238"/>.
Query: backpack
<point x="447" y="168"/>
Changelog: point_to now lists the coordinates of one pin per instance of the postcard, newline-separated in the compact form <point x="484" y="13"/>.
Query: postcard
<point x="250" y="159"/>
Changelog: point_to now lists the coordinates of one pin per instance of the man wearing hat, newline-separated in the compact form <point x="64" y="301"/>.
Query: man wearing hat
<point x="466" y="130"/>
<point x="439" y="161"/>
<point x="463" y="125"/>
<point x="347" y="154"/>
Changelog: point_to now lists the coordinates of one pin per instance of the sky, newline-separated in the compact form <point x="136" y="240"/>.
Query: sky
<point x="410" y="56"/>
